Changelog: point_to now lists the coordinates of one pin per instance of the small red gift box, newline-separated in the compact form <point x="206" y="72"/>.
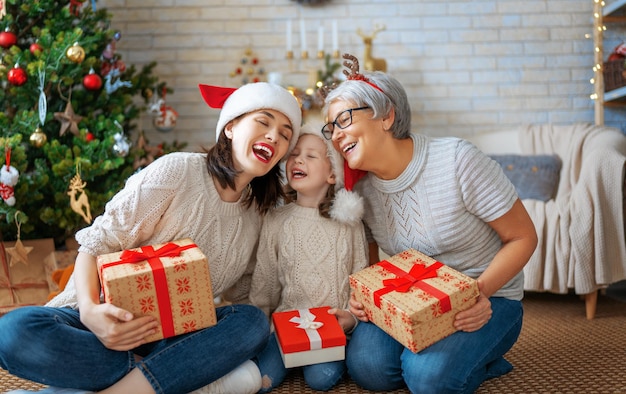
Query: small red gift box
<point x="413" y="297"/>
<point x="309" y="336"/>
<point x="170" y="282"/>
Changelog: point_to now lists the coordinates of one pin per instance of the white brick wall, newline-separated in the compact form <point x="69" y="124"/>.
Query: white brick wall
<point x="468" y="66"/>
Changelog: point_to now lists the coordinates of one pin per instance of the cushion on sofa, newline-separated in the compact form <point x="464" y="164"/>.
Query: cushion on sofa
<point x="534" y="176"/>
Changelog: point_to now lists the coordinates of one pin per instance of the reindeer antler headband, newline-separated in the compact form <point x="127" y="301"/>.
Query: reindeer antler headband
<point x="352" y="63"/>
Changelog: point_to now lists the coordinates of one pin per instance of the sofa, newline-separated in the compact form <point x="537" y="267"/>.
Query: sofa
<point x="571" y="180"/>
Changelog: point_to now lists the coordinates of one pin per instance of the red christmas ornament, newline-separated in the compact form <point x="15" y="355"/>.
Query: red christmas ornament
<point x="35" y="48"/>
<point x="92" y="81"/>
<point x="17" y="76"/>
<point x="7" y="39"/>
<point x="89" y="137"/>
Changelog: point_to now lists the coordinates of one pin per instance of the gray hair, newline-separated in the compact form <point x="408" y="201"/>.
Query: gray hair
<point x="363" y="94"/>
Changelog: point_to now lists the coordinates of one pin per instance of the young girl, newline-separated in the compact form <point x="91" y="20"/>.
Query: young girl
<point x="307" y="250"/>
<point x="444" y="197"/>
<point x="217" y="199"/>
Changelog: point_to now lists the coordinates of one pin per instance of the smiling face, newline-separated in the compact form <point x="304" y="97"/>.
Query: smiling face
<point x="361" y="139"/>
<point x="260" y="139"/>
<point x="309" y="171"/>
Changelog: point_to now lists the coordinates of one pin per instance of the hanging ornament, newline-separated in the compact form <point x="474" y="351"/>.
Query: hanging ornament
<point x="111" y="87"/>
<point x="122" y="144"/>
<point x="75" y="53"/>
<point x="92" y="81"/>
<point x="17" y="76"/>
<point x="9" y="176"/>
<point x="69" y="119"/>
<point x="19" y="252"/>
<point x="167" y="117"/>
<point x="35" y="49"/>
<point x="42" y="105"/>
<point x="79" y="204"/>
<point x="7" y="38"/>
<point x="3" y="9"/>
<point x="38" y="138"/>
<point x="89" y="136"/>
<point x="75" y="6"/>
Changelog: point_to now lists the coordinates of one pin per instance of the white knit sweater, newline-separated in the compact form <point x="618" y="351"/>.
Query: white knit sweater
<point x="440" y="205"/>
<point x="304" y="260"/>
<point x="174" y="198"/>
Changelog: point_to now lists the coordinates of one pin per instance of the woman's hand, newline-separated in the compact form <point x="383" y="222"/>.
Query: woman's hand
<point x="116" y="328"/>
<point x="475" y="317"/>
<point x="356" y="308"/>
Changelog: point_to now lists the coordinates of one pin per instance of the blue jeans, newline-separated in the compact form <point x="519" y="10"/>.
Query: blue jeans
<point x="51" y="346"/>
<point x="320" y="377"/>
<point x="458" y="363"/>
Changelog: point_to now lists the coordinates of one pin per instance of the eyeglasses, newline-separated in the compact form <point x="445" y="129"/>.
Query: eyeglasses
<point x="343" y="120"/>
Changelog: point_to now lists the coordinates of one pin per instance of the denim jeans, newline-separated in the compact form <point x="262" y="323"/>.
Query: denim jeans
<point x="51" y="346"/>
<point x="458" y="363"/>
<point x="320" y="377"/>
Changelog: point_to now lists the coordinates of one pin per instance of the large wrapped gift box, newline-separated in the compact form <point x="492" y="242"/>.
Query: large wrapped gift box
<point x="169" y="281"/>
<point x="309" y="336"/>
<point x="23" y="281"/>
<point x="413" y="297"/>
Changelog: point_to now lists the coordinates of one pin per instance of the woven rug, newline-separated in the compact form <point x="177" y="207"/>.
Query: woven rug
<point x="559" y="351"/>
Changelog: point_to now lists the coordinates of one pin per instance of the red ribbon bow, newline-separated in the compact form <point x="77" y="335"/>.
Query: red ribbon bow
<point x="404" y="281"/>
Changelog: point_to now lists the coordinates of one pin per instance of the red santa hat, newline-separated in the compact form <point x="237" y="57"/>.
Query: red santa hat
<point x="251" y="97"/>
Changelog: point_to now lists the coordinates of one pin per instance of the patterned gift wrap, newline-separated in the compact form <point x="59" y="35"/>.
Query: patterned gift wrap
<point x="169" y="281"/>
<point x="413" y="297"/>
<point x="309" y="336"/>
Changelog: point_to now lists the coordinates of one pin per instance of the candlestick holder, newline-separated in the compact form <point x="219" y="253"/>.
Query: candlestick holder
<point x="289" y="55"/>
<point x="336" y="54"/>
<point x="304" y="54"/>
<point x="320" y="54"/>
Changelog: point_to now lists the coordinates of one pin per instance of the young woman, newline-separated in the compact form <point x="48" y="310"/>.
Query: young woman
<point x="445" y="198"/>
<point x="217" y="199"/>
<point x="307" y="250"/>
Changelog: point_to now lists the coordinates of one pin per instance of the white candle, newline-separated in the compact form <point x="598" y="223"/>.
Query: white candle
<point x="289" y="43"/>
<point x="335" y="37"/>
<point x="320" y="38"/>
<point x="302" y="35"/>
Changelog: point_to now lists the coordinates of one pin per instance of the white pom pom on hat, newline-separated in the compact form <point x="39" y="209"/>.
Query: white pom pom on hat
<point x="347" y="206"/>
<point x="235" y="102"/>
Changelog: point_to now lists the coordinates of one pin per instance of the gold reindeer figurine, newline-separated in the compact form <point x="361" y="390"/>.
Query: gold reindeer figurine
<point x="79" y="205"/>
<point x="372" y="63"/>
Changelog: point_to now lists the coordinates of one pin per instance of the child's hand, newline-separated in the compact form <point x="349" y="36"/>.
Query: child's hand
<point x="346" y="320"/>
<point x="116" y="328"/>
<point x="356" y="308"/>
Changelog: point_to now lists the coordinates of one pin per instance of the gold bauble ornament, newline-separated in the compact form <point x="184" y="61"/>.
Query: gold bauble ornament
<point x="75" y="53"/>
<point x="38" y="138"/>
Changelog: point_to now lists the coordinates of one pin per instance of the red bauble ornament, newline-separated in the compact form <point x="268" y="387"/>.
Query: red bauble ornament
<point x="92" y="81"/>
<point x="35" y="48"/>
<point x="7" y="39"/>
<point x="89" y="137"/>
<point x="17" y="76"/>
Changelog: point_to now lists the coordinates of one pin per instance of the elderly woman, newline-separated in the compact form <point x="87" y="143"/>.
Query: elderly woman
<point x="445" y="198"/>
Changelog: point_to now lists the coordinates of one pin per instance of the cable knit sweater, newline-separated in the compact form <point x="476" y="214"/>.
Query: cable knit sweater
<point x="173" y="198"/>
<point x="304" y="260"/>
<point x="440" y="205"/>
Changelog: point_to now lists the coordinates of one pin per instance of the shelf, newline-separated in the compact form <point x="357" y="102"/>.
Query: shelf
<point x="615" y="94"/>
<point x="614" y="6"/>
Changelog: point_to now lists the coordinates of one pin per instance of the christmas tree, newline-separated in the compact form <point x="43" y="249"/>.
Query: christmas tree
<point x="68" y="104"/>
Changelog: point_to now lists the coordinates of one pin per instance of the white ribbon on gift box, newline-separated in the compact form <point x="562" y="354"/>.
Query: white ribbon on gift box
<point x="307" y="322"/>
